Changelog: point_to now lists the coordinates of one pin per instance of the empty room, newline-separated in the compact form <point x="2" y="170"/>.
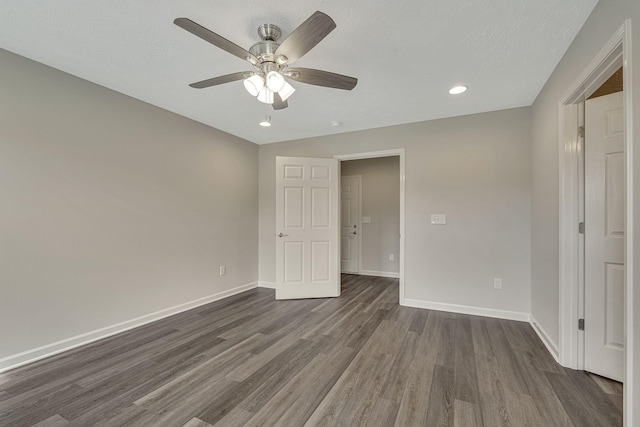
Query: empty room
<point x="319" y="213"/>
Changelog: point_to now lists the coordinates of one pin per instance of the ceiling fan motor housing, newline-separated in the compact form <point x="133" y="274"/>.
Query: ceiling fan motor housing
<point x="265" y="50"/>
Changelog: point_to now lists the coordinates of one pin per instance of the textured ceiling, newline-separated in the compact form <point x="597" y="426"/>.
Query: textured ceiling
<point x="406" y="55"/>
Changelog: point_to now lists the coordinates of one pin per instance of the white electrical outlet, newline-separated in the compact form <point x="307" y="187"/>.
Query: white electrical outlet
<point x="223" y="270"/>
<point x="391" y="257"/>
<point x="438" y="219"/>
<point x="497" y="283"/>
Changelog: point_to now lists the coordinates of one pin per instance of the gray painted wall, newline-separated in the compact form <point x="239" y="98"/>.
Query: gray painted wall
<point x="607" y="17"/>
<point x="475" y="169"/>
<point x="380" y="202"/>
<point x="111" y="208"/>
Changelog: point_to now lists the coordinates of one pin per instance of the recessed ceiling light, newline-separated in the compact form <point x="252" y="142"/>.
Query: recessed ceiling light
<point x="336" y="123"/>
<point x="457" y="90"/>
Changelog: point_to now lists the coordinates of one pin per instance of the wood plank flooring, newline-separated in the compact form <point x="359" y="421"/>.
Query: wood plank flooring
<point x="360" y="359"/>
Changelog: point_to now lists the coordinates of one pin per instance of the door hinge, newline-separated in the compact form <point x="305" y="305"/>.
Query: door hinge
<point x="581" y="227"/>
<point x="581" y="131"/>
<point x="581" y="324"/>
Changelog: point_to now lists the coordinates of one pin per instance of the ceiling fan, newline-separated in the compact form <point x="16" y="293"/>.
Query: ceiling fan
<point x="271" y="59"/>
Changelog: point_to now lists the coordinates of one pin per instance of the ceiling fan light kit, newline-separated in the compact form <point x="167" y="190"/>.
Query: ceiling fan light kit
<point x="286" y="91"/>
<point x="271" y="60"/>
<point x="275" y="81"/>
<point x="253" y="84"/>
<point x="266" y="95"/>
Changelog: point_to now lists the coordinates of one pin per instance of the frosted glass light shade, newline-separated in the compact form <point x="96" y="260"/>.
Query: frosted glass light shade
<point x="253" y="84"/>
<point x="265" y="95"/>
<point x="275" y="81"/>
<point x="286" y="91"/>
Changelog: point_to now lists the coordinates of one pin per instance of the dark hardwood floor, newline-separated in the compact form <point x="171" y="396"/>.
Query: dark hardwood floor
<point x="360" y="359"/>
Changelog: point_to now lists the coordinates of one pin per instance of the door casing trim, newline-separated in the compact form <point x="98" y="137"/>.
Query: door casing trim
<point x="616" y="52"/>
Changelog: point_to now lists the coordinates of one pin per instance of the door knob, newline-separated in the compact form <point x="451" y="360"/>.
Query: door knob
<point x="355" y="232"/>
<point x="281" y="235"/>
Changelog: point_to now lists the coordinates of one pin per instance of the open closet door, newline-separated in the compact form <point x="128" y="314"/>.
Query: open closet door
<point x="307" y="228"/>
<point x="604" y="236"/>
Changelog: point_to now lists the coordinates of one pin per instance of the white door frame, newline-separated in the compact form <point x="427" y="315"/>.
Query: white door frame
<point x="615" y="53"/>
<point x="359" y="224"/>
<point x="388" y="153"/>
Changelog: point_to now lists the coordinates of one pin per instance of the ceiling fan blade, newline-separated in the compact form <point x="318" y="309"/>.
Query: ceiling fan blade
<point x="278" y="103"/>
<point x="322" y="78"/>
<point x="219" y="80"/>
<point x="214" y="39"/>
<point x="306" y="36"/>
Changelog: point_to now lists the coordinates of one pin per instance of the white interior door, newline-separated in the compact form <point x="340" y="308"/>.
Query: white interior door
<point x="307" y="259"/>
<point x="604" y="236"/>
<point x="350" y="223"/>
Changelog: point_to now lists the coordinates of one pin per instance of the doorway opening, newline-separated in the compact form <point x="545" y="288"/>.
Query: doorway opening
<point x="571" y="352"/>
<point x="384" y="259"/>
<point x="370" y="216"/>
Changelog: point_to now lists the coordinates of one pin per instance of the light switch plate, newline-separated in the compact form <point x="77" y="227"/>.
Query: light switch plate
<point x="438" y="219"/>
<point x="366" y="219"/>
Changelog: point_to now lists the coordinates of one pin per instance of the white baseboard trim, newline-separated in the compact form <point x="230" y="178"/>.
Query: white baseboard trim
<point x="35" y="354"/>
<point x="468" y="309"/>
<point x="268" y="285"/>
<point x="544" y="337"/>
<point x="380" y="273"/>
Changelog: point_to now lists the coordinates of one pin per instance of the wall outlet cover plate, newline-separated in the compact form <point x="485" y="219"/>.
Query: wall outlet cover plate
<point x="438" y="219"/>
